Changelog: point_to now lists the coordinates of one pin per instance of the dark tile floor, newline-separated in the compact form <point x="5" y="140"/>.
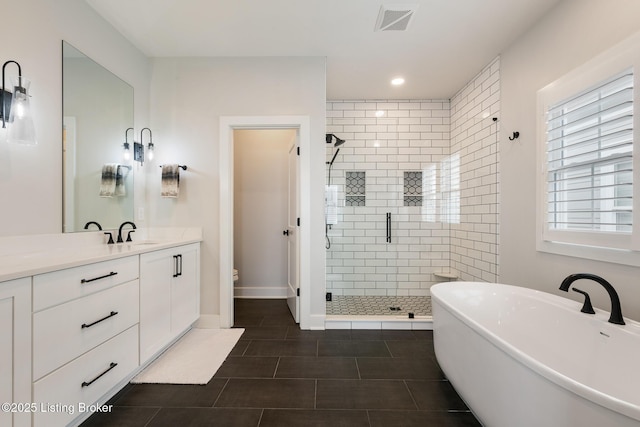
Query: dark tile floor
<point x="279" y="375"/>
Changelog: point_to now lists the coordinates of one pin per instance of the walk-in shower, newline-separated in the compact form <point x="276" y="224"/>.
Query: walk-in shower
<point x="384" y="241"/>
<point x="396" y="214"/>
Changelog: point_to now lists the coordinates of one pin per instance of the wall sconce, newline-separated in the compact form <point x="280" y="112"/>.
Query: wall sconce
<point x="138" y="147"/>
<point x="138" y="152"/>
<point x="16" y="110"/>
<point x="126" y="154"/>
<point x="150" y="146"/>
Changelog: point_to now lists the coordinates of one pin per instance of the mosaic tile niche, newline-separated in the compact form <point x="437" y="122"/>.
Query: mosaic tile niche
<point x="413" y="188"/>
<point x="355" y="184"/>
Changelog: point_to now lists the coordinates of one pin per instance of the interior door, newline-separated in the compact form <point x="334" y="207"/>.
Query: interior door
<point x="293" y="288"/>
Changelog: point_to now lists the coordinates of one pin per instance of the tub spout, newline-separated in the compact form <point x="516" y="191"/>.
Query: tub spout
<point x="616" y="310"/>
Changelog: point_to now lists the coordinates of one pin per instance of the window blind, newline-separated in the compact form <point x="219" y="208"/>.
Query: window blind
<point x="589" y="159"/>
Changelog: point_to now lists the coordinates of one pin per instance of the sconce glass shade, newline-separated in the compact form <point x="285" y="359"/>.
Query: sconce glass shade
<point x="21" y="129"/>
<point x="150" y="151"/>
<point x="126" y="152"/>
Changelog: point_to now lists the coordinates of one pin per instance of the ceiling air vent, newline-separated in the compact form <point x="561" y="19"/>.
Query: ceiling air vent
<point x="395" y="17"/>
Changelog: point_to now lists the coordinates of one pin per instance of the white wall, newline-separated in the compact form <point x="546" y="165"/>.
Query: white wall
<point x="33" y="30"/>
<point x="261" y="201"/>
<point x="571" y="34"/>
<point x="189" y="95"/>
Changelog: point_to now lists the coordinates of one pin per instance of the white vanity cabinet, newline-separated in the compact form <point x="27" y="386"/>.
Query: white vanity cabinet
<point x="74" y="321"/>
<point x="169" y="296"/>
<point x="15" y="351"/>
<point x="85" y="336"/>
<point x="185" y="289"/>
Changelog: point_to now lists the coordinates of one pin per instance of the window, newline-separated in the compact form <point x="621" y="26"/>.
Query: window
<point x="589" y="159"/>
<point x="587" y="132"/>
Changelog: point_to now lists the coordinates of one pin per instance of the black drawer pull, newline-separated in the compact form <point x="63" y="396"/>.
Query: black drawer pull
<point x="113" y="273"/>
<point x="111" y="366"/>
<point x="113" y="313"/>
<point x="175" y="266"/>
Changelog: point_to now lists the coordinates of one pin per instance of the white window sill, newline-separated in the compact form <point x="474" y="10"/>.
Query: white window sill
<point x="617" y="256"/>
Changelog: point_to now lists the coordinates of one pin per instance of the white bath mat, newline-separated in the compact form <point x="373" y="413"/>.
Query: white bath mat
<point x="194" y="359"/>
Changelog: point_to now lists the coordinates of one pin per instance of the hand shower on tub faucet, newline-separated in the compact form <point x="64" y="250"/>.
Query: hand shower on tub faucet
<point x="616" y="310"/>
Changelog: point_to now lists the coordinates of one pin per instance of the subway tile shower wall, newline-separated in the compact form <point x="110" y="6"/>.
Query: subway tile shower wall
<point x="455" y="227"/>
<point x="474" y="134"/>
<point x="385" y="139"/>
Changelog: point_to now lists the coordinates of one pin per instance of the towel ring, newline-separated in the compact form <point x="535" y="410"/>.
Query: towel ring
<point x="183" y="167"/>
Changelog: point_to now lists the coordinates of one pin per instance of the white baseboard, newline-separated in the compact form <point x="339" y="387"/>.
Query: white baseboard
<point x="267" y="292"/>
<point x="208" y="321"/>
<point x="317" y="322"/>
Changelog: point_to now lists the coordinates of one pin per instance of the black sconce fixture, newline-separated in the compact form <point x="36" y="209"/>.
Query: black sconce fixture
<point x="127" y="148"/>
<point x="16" y="110"/>
<point x="138" y="152"/>
<point x="149" y="146"/>
<point x="329" y="137"/>
<point x="138" y="147"/>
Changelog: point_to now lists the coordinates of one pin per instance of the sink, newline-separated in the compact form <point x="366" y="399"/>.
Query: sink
<point x="144" y="242"/>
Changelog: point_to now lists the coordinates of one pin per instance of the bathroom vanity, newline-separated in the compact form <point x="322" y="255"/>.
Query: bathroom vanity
<point x="79" y="318"/>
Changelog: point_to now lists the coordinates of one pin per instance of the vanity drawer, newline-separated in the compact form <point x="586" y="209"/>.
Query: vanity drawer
<point x="64" y="332"/>
<point x="85" y="380"/>
<point x="57" y="287"/>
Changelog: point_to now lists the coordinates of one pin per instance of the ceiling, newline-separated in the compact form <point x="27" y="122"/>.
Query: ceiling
<point x="446" y="43"/>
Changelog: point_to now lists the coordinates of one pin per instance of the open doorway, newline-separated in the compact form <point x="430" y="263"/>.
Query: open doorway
<point x="265" y="210"/>
<point x="228" y="126"/>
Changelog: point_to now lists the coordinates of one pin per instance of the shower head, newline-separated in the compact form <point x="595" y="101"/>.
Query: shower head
<point x="330" y="136"/>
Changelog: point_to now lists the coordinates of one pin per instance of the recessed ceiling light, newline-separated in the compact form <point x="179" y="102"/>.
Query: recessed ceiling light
<point x="397" y="81"/>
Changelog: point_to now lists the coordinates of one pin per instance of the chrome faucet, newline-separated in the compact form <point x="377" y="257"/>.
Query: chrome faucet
<point x="616" y="310"/>
<point x="128" y="235"/>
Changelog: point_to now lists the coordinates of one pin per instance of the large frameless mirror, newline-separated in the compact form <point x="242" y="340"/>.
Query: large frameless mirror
<point x="97" y="111"/>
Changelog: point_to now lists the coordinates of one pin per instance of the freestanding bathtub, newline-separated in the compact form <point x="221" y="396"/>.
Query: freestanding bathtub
<point x="520" y="357"/>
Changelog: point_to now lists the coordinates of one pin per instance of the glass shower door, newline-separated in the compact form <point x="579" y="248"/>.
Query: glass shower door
<point x="389" y="238"/>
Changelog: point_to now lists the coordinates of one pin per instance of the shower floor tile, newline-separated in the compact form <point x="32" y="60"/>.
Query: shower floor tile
<point x="347" y="305"/>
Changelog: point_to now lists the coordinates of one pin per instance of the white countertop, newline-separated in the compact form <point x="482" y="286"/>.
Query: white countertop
<point x="24" y="256"/>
